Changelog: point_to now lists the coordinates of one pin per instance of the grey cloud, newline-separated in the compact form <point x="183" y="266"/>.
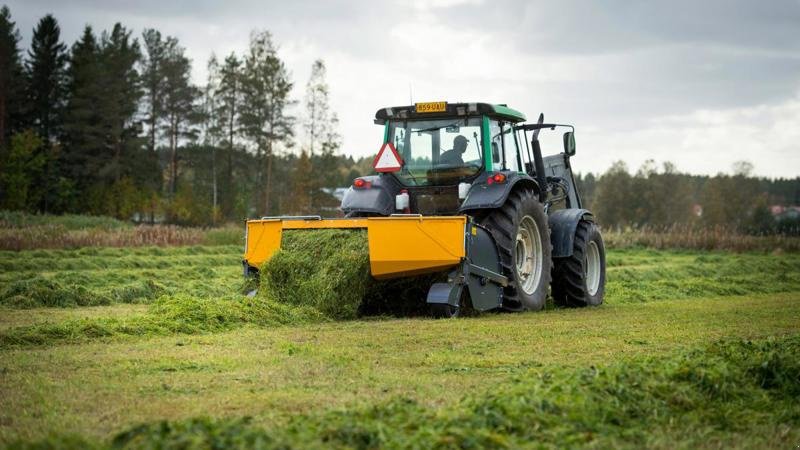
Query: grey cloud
<point x="608" y="66"/>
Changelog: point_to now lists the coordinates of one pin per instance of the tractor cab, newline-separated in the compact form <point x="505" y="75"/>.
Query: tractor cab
<point x="444" y="153"/>
<point x="445" y="144"/>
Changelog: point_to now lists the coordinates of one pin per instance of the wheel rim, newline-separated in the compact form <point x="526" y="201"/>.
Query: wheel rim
<point x="528" y="250"/>
<point x="592" y="268"/>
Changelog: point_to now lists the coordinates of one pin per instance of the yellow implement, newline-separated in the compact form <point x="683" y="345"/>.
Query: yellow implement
<point x="398" y="246"/>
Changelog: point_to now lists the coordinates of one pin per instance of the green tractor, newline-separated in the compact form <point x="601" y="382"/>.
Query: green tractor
<point x="464" y="187"/>
<point x="484" y="161"/>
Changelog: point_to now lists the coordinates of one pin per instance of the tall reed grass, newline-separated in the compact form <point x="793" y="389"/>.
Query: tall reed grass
<point x="687" y="237"/>
<point x="56" y="236"/>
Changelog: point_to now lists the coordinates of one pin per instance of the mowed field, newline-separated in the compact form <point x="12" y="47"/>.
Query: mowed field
<point x="157" y="348"/>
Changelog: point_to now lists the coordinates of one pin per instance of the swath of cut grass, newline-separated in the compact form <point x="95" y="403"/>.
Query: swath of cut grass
<point x="170" y="314"/>
<point x="733" y="393"/>
<point x="329" y="271"/>
<point x="325" y="277"/>
<point x="39" y="291"/>
<point x="325" y="269"/>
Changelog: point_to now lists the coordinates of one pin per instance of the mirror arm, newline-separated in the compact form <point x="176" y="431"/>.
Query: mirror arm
<point x="538" y="162"/>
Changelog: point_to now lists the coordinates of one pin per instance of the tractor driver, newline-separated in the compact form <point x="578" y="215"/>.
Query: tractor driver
<point x="453" y="156"/>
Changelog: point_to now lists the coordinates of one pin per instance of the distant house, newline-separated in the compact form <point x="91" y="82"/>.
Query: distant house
<point x="337" y="193"/>
<point x="697" y="210"/>
<point x="781" y="212"/>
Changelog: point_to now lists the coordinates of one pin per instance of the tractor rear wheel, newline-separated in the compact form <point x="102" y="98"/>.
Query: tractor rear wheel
<point x="579" y="280"/>
<point x="522" y="235"/>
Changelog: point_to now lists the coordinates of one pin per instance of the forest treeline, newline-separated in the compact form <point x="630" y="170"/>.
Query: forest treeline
<point x="113" y="125"/>
<point x="661" y="198"/>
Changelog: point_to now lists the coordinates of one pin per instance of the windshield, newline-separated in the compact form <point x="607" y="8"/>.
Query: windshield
<point x="437" y="152"/>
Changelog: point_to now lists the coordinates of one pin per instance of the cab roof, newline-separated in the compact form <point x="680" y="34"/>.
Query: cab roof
<point x="498" y="111"/>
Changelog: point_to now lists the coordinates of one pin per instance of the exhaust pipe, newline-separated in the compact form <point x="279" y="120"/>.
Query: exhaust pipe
<point x="538" y="161"/>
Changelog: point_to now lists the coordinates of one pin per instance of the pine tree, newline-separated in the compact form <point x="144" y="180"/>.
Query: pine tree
<point x="123" y="151"/>
<point x="265" y="121"/>
<point x="46" y="95"/>
<point x="46" y="71"/>
<point x="180" y="109"/>
<point x="228" y="102"/>
<point x="84" y="136"/>
<point x="11" y="77"/>
<point x="152" y="70"/>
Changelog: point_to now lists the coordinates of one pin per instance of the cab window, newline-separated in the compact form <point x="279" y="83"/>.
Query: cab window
<point x="504" y="146"/>
<point x="437" y="152"/>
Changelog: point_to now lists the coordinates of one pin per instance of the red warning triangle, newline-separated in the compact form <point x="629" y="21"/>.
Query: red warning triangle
<point x="387" y="160"/>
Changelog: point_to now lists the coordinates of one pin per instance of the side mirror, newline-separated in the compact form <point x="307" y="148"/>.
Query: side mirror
<point x="569" y="143"/>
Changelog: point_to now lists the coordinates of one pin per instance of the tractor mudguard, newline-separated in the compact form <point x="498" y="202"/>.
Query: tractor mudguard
<point x="483" y="195"/>
<point x="377" y="199"/>
<point x="563" y="224"/>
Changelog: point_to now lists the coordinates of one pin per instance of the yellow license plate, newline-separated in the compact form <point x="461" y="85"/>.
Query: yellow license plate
<point x="430" y="107"/>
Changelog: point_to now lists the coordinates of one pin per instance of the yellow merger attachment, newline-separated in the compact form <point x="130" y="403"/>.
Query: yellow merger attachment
<point x="398" y="246"/>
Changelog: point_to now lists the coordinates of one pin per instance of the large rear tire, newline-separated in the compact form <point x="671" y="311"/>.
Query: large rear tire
<point x="522" y="235"/>
<point x="579" y="280"/>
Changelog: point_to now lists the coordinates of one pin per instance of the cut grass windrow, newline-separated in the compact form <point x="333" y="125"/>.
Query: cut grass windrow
<point x="326" y="278"/>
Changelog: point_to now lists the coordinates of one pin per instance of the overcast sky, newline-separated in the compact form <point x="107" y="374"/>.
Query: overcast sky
<point x="698" y="83"/>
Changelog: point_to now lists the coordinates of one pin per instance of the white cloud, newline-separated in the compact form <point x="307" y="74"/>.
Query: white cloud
<point x="704" y="141"/>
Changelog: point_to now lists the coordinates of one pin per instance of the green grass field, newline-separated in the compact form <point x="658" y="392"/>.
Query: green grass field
<point x="156" y="348"/>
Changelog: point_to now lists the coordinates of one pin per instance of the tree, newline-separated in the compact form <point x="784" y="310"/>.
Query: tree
<point x="301" y="186"/>
<point x="118" y="105"/>
<point x="180" y="109"/>
<point x="320" y="123"/>
<point x="669" y="197"/>
<point x="20" y="168"/>
<point x="265" y="121"/>
<point x="615" y="197"/>
<point x="46" y="71"/>
<point x="84" y="134"/>
<point x="729" y="201"/>
<point x="11" y="77"/>
<point x="227" y="103"/>
<point x="321" y="132"/>
<point x="742" y="168"/>
<point x="211" y="133"/>
<point x="156" y="52"/>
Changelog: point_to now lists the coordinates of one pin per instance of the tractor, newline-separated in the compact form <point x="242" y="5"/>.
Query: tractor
<point x="464" y="188"/>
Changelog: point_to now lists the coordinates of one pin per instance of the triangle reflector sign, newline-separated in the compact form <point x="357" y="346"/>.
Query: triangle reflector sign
<point x="387" y="160"/>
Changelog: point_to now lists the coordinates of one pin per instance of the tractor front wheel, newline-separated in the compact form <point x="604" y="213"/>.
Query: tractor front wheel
<point x="579" y="280"/>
